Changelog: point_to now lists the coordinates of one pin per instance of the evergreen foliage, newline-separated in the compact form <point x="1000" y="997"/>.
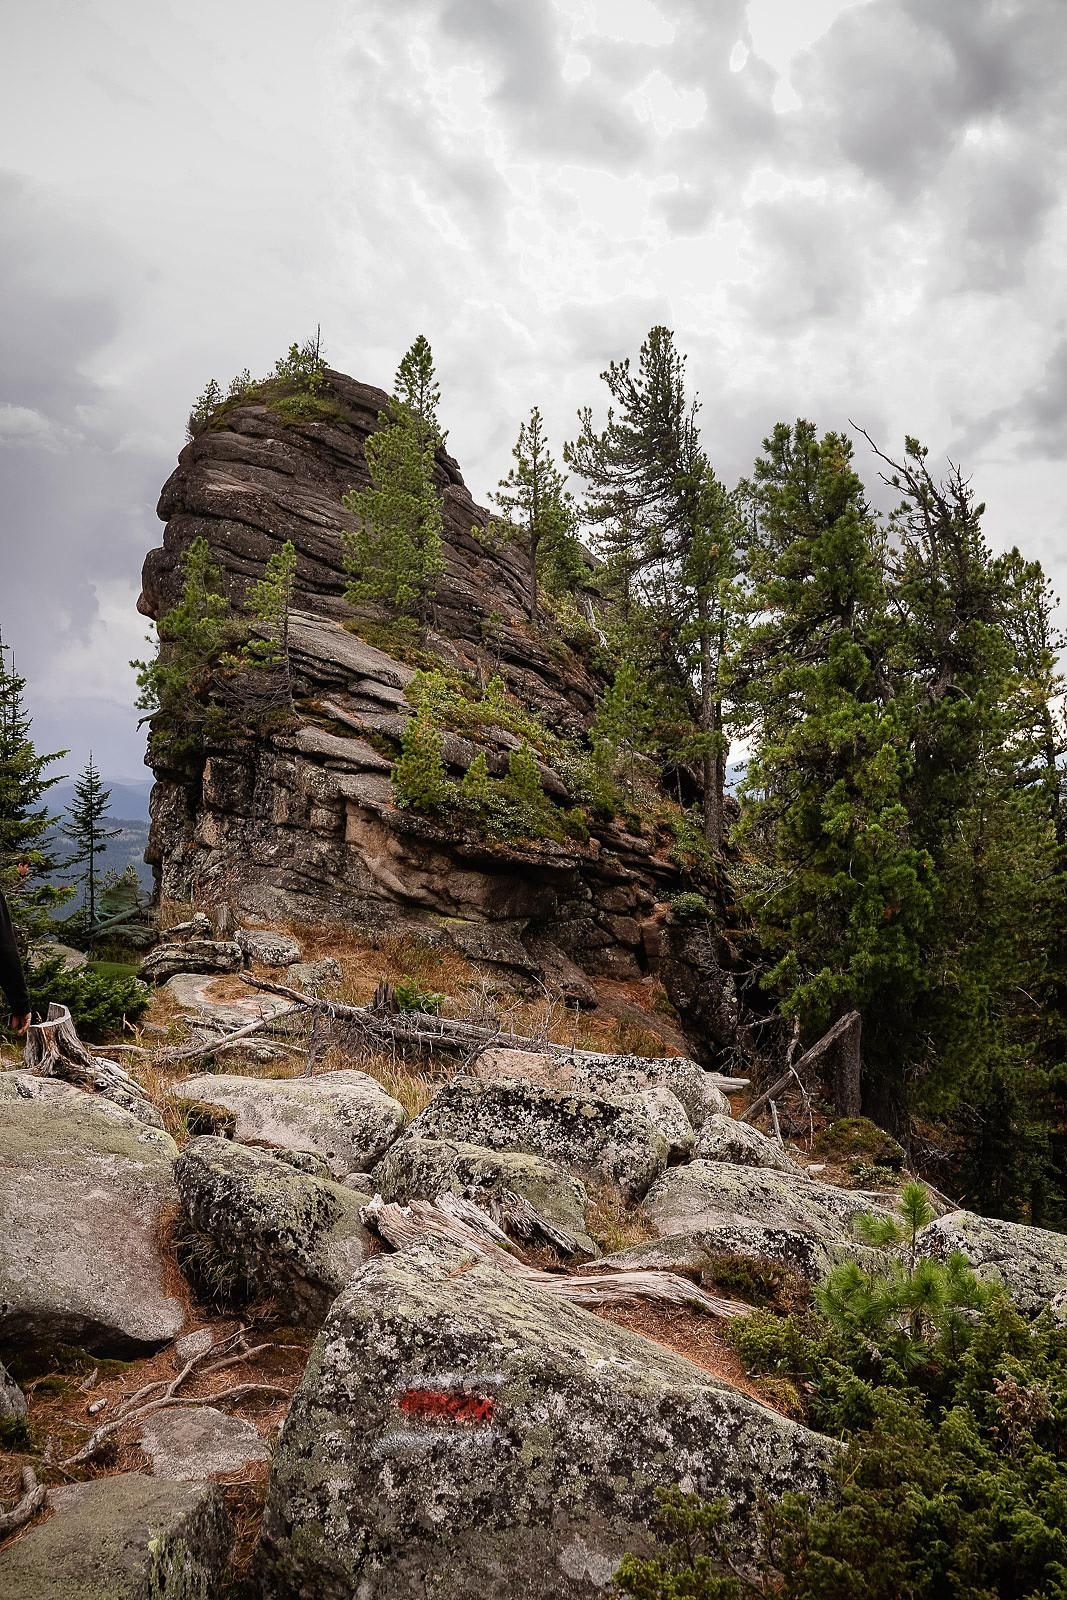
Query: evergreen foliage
<point x="174" y="686"/>
<point x="99" y="1003"/>
<point x="416" y="388"/>
<point x="395" y="557"/>
<point x="524" y="790"/>
<point x="624" y="717"/>
<point x="541" y="513"/>
<point x="418" y="778"/>
<point x="86" y="828"/>
<point x="28" y="856"/>
<point x="476" y="789"/>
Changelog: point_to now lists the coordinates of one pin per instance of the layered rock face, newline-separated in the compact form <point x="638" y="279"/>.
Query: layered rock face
<point x="300" y="824"/>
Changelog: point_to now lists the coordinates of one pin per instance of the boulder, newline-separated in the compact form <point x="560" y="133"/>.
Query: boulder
<point x="83" y="1190"/>
<point x="421" y="1169"/>
<point x="461" y="1432"/>
<point x="315" y="977"/>
<point x="345" y="1117"/>
<point x="601" y="1137"/>
<point x="723" y="1139"/>
<point x="193" y="991"/>
<point x="51" y="950"/>
<point x="693" y="1253"/>
<point x="711" y="1194"/>
<point x="12" y="1399"/>
<point x="191" y="955"/>
<point x="287" y="1236"/>
<point x="613" y="1076"/>
<point x="129" y="1537"/>
<point x="194" y="1442"/>
<point x="1031" y="1263"/>
<point x="267" y="947"/>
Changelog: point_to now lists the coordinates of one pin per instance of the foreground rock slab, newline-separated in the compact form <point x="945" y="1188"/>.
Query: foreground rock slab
<point x="1031" y="1263"/>
<point x="83" y="1189"/>
<point x="460" y="1433"/>
<point x="593" y="1135"/>
<point x="190" y="1443"/>
<point x="711" y="1194"/>
<point x="345" y="1117"/>
<point x="282" y="1233"/>
<point x="421" y="1169"/>
<point x="129" y="1537"/>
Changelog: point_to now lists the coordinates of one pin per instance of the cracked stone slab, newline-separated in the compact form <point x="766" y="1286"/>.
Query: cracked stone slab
<point x="194" y="1442"/>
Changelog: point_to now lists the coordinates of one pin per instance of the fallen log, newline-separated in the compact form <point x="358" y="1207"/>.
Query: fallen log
<point x="460" y="1222"/>
<point x="53" y="1050"/>
<point x="840" y="1048"/>
<point x="425" y="1031"/>
<point x="33" y="1498"/>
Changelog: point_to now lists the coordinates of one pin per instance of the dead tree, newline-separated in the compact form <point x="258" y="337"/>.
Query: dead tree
<point x="53" y="1050"/>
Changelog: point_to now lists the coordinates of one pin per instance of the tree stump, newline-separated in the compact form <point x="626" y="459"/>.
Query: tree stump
<point x="53" y="1050"/>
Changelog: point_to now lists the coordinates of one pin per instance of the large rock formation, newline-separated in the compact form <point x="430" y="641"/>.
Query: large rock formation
<point x="301" y="824"/>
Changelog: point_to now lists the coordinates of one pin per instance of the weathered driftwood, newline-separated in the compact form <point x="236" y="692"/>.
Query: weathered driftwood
<point x="460" y="1222"/>
<point x="838" y="1053"/>
<point x="53" y="1050"/>
<point x="210" y="1046"/>
<point x="421" y="1030"/>
<point x="33" y="1498"/>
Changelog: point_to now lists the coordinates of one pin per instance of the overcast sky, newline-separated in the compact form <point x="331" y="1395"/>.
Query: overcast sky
<point x="843" y="210"/>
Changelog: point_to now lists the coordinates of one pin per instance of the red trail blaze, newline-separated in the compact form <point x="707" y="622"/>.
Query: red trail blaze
<point x="446" y="1405"/>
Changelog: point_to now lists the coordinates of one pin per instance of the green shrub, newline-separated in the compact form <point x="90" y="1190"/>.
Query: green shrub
<point x="98" y="1003"/>
<point x="858" y="1137"/>
<point x="690" y="908"/>
<point x="419" y="779"/>
<point x="410" y="996"/>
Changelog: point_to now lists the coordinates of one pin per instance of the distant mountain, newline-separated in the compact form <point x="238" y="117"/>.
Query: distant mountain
<point x="129" y="797"/>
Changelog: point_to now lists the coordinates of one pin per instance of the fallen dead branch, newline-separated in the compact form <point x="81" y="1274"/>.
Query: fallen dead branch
<point x="460" y="1222"/>
<point x="163" y="1392"/>
<point x="33" y="1498"/>
<point x="210" y="1046"/>
<point x="428" y="1032"/>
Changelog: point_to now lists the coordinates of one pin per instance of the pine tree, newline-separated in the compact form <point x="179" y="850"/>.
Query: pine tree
<point x="416" y="388"/>
<point x="27" y="828"/>
<point x="174" y="686"/>
<point x="669" y="533"/>
<point x="395" y="557"/>
<point x="842" y="893"/>
<point x="541" y="513"/>
<point x="624" y="717"/>
<point x="476" y="789"/>
<point x="87" y="830"/>
<point x="522" y="786"/>
<point x="418" y="776"/>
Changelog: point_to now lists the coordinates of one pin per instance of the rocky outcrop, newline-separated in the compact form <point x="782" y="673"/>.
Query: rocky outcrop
<point x="283" y="1234"/>
<point x="796" y="1248"/>
<point x="128" y="1537"/>
<point x="268" y="947"/>
<point x="421" y="1169"/>
<point x="345" y="1117"/>
<point x="191" y="955"/>
<point x="83" y="1190"/>
<point x="299" y="824"/>
<point x="615" y="1076"/>
<point x="723" y="1139"/>
<point x="460" y="1432"/>
<point x="1030" y="1263"/>
<point x="607" y="1139"/>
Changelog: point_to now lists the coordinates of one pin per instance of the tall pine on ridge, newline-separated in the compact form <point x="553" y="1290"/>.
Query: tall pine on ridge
<point x="87" y="831"/>
<point x="27" y="828"/>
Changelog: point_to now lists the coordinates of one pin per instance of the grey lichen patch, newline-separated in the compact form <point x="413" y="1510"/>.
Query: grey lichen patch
<point x="450" y="1408"/>
<point x="712" y="1194"/>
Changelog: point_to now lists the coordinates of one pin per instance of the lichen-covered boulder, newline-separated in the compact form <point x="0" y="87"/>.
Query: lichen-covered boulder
<point x="586" y="1132"/>
<point x="711" y="1194"/>
<point x="345" y="1117"/>
<point x="460" y="1432"/>
<point x="286" y="1235"/>
<point x="129" y="1537"/>
<point x="315" y="977"/>
<point x="723" y="1139"/>
<point x="83" y="1189"/>
<point x="612" y="1076"/>
<point x="421" y="1169"/>
<point x="796" y="1249"/>
<point x="1031" y="1263"/>
<point x="270" y="948"/>
<point x="190" y="1443"/>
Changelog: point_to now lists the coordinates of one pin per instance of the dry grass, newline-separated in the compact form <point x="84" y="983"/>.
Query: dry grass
<point x="613" y="1224"/>
<point x="687" y="1332"/>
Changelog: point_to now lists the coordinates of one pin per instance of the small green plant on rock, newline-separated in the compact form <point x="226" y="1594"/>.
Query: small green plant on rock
<point x="419" y="779"/>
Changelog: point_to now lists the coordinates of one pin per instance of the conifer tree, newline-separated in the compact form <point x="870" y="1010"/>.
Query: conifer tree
<point x="624" y="717"/>
<point x="191" y="636"/>
<point x="476" y="789"/>
<point x="418" y="776"/>
<point x="395" y="557"/>
<point x="534" y="499"/>
<point x="416" y="388"/>
<point x="669" y="532"/>
<point x="523" y="787"/>
<point x="27" y="828"/>
<point x="86" y="827"/>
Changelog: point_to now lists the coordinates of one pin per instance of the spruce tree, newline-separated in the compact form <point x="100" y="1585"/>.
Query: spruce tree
<point x="416" y="388"/>
<point x="624" y="717"/>
<point x="540" y="512"/>
<point x="174" y="686"/>
<point x="395" y="557"/>
<point x="86" y="828"/>
<point x="28" y="858"/>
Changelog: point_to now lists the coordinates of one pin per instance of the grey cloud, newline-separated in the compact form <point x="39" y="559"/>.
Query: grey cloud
<point x="809" y="258"/>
